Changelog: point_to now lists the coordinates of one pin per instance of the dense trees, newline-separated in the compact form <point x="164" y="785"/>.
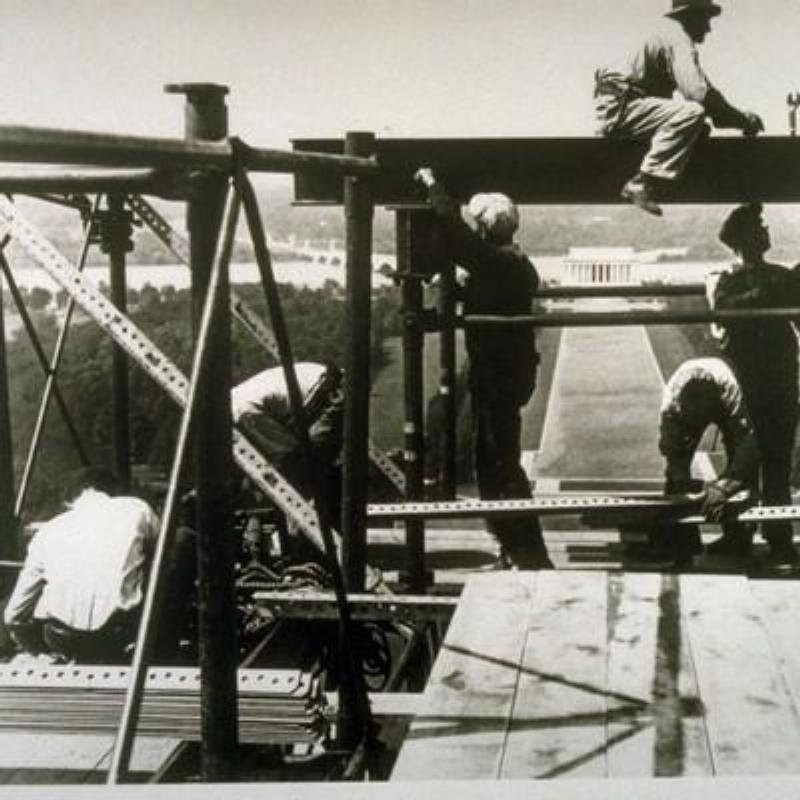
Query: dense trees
<point x="315" y="319"/>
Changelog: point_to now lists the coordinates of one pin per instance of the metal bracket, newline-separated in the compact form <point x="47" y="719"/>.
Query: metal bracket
<point x="372" y="607"/>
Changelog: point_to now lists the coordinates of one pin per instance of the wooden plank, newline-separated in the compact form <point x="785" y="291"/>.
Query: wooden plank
<point x="72" y="758"/>
<point x="565" y="170"/>
<point x="697" y="759"/>
<point x="558" y="722"/>
<point x="779" y="607"/>
<point x="633" y="612"/>
<point x="470" y="691"/>
<point x="751" y="720"/>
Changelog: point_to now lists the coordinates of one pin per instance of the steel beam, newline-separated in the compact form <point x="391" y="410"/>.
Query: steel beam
<point x="724" y="169"/>
<point x="412" y="237"/>
<point x="447" y="382"/>
<point x="622" y="291"/>
<point x="121" y="437"/>
<point x="71" y="180"/>
<point x="372" y="607"/>
<point x="9" y="533"/>
<point x="584" y="319"/>
<point x="47" y="145"/>
<point x="358" y="339"/>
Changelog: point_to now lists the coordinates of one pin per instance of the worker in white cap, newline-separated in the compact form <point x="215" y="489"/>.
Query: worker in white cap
<point x="659" y="93"/>
<point x="503" y="360"/>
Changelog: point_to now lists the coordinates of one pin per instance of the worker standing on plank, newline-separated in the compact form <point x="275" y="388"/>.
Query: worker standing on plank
<point x="659" y="93"/>
<point x="503" y="361"/>
<point x="764" y="353"/>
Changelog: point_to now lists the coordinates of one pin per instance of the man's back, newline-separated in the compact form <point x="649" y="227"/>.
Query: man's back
<point x="90" y="560"/>
<point x="660" y="61"/>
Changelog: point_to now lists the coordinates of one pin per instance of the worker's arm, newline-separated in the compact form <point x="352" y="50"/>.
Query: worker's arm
<point x="466" y="247"/>
<point x="693" y="83"/>
<point x="18" y="614"/>
<point x="725" y="115"/>
<point x="728" y="294"/>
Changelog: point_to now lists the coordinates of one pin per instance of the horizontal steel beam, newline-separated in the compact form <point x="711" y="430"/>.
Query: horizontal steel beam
<point x="724" y="169"/>
<point x="590" y="319"/>
<point x="53" y="146"/>
<point x="622" y="291"/>
<point x="70" y="180"/>
<point x="541" y="506"/>
<point x="322" y="605"/>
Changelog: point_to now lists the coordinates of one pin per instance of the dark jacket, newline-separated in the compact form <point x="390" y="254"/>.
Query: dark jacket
<point x="763" y="351"/>
<point x="502" y="281"/>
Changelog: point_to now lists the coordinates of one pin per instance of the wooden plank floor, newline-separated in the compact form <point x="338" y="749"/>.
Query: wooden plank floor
<point x="607" y="674"/>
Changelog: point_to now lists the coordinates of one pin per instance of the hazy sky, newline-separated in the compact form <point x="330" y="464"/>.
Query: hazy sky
<point x="398" y="67"/>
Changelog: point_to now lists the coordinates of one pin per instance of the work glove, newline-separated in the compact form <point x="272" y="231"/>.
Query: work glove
<point x="425" y="176"/>
<point x="752" y="125"/>
<point x="713" y="503"/>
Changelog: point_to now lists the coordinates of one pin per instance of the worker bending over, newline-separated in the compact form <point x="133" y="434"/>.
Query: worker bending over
<point x="260" y="408"/>
<point x="700" y="393"/>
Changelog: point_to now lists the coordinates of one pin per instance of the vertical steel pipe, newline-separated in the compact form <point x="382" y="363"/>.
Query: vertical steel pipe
<point x="121" y="437"/>
<point x="55" y="362"/>
<point x="447" y="381"/>
<point x="148" y="625"/>
<point x="206" y="119"/>
<point x="407" y="230"/>
<point x="9" y="532"/>
<point x="358" y="209"/>
<point x="354" y="712"/>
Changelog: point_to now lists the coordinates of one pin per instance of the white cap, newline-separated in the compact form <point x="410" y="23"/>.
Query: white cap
<point x="495" y="213"/>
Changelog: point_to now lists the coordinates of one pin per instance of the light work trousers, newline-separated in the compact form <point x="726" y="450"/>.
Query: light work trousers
<point x="672" y="127"/>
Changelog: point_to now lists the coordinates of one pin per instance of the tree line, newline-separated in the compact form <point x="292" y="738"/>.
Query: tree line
<point x="315" y="318"/>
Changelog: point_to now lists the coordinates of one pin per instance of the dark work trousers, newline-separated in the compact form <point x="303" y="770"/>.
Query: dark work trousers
<point x="686" y="538"/>
<point x="107" y="645"/>
<point x="775" y="415"/>
<point x="497" y="425"/>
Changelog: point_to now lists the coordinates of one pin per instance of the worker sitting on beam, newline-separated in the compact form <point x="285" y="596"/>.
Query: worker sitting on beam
<point x="79" y="593"/>
<point x="503" y="362"/>
<point x="659" y="93"/>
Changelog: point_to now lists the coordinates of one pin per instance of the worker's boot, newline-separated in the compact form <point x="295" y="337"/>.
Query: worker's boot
<point x="736" y="542"/>
<point x="782" y="555"/>
<point x="640" y="190"/>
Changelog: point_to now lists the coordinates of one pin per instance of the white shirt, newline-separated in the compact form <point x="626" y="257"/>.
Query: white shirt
<point x="250" y="395"/>
<point x="86" y="563"/>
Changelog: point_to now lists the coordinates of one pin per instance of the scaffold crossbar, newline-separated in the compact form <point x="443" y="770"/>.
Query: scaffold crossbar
<point x="373" y="607"/>
<point x="684" y="507"/>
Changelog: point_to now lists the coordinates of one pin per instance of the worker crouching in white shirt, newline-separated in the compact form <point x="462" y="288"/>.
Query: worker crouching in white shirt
<point x="79" y="593"/>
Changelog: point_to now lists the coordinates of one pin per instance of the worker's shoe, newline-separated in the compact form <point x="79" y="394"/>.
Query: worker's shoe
<point x="501" y="563"/>
<point x="782" y="557"/>
<point x="730" y="547"/>
<point x="534" y="558"/>
<point x="640" y="191"/>
<point x="532" y="561"/>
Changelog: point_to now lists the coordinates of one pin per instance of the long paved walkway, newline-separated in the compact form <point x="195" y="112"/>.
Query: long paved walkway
<point x="603" y="411"/>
